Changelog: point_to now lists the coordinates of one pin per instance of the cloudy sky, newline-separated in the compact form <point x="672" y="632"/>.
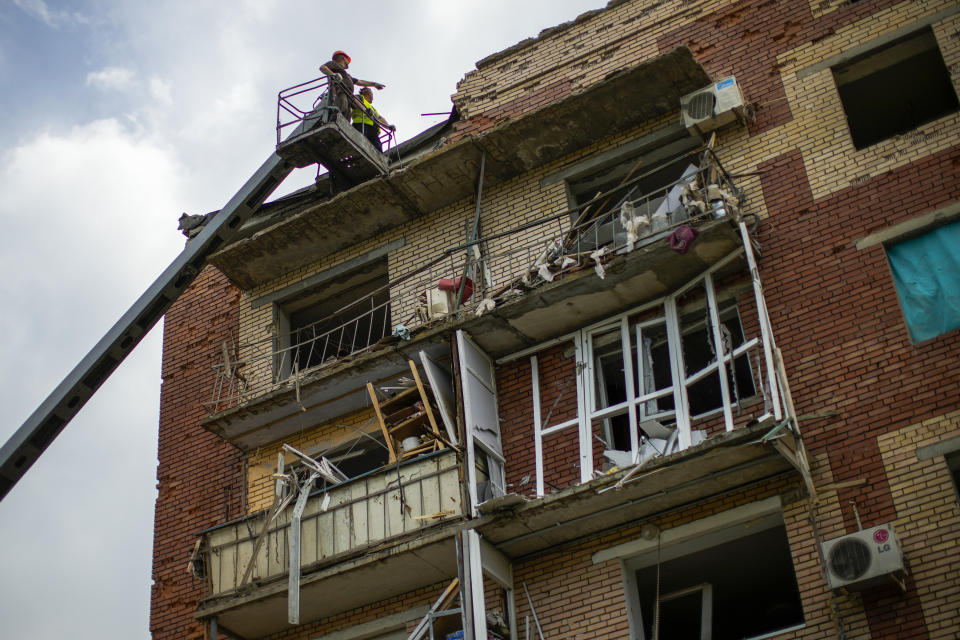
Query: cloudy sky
<point x="116" y="117"/>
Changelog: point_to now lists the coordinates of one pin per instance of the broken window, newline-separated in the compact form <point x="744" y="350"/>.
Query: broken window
<point x="651" y="193"/>
<point x="340" y="318"/>
<point x="651" y="382"/>
<point x="926" y="273"/>
<point x="896" y="88"/>
<point x="739" y="583"/>
<point x="643" y="358"/>
<point x="359" y="457"/>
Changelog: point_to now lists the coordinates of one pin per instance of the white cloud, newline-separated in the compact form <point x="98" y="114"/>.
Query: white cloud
<point x="55" y="19"/>
<point x="160" y="91"/>
<point x="89" y="218"/>
<point x="116" y="78"/>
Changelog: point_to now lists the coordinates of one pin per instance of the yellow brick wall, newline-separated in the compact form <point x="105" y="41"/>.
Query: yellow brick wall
<point x="928" y="518"/>
<point x="583" y="52"/>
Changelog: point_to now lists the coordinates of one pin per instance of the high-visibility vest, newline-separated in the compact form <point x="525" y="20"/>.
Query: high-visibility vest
<point x="362" y="117"/>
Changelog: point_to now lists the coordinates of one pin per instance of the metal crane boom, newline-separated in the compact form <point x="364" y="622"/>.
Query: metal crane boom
<point x="35" y="435"/>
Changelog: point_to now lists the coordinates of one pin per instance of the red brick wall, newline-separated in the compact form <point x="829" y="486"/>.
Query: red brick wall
<point x="561" y="452"/>
<point x="838" y="322"/>
<point x="200" y="477"/>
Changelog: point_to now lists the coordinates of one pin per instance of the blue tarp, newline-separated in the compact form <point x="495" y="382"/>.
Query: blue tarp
<point x="926" y="271"/>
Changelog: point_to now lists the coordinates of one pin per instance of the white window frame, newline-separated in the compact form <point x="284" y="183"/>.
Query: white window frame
<point x="585" y="372"/>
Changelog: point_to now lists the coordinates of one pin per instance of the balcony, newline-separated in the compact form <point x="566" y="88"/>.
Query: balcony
<point x="364" y="547"/>
<point x="542" y="280"/>
<point x="748" y="455"/>
<point x="428" y="180"/>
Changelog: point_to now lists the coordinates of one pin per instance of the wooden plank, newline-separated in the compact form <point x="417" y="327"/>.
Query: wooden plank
<point x="450" y="496"/>
<point x="342" y="523"/>
<point x="426" y="404"/>
<point x="414" y="507"/>
<point x="308" y="540"/>
<point x="376" y="512"/>
<point x="394" y="513"/>
<point x="431" y="495"/>
<point x="383" y="427"/>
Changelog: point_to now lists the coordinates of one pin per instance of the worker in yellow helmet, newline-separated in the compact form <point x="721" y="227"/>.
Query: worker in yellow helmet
<point x="368" y="121"/>
<point x="341" y="82"/>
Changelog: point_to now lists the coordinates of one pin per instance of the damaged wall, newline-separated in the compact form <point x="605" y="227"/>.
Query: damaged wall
<point x="834" y="312"/>
<point x="199" y="476"/>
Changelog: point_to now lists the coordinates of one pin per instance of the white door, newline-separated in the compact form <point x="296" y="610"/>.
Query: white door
<point x="443" y="391"/>
<point x="484" y="450"/>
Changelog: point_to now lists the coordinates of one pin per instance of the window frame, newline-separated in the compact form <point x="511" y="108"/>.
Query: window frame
<point x="914" y="235"/>
<point x="585" y="375"/>
<point x="286" y="354"/>
<point x="690" y="538"/>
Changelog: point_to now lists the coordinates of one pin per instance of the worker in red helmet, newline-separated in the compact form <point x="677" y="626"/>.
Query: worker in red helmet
<point x="341" y="82"/>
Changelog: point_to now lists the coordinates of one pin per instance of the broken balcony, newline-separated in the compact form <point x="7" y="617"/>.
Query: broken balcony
<point x="511" y="292"/>
<point x="429" y="177"/>
<point x="375" y="536"/>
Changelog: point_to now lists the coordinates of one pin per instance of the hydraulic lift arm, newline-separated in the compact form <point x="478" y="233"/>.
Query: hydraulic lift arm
<point x="35" y="435"/>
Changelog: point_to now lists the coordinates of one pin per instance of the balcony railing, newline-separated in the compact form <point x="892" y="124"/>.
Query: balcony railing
<point x="359" y="513"/>
<point x="308" y="102"/>
<point x="498" y="266"/>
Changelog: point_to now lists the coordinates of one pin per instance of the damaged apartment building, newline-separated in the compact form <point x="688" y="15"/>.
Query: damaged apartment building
<point x="654" y="337"/>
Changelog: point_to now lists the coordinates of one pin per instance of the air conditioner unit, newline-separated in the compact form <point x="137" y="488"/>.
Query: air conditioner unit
<point x="712" y="107"/>
<point x="864" y="559"/>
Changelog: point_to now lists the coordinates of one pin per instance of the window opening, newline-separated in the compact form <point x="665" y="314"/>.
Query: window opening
<point x="647" y="194"/>
<point x="354" y="459"/>
<point x="655" y="382"/>
<point x="740" y="588"/>
<point x="685" y="613"/>
<point x="700" y="354"/>
<point x="342" y="318"/>
<point x="650" y="382"/>
<point x="953" y="463"/>
<point x="926" y="273"/>
<point x="895" y="89"/>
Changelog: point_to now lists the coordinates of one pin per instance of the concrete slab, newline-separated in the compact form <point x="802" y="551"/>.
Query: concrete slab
<point x="621" y="101"/>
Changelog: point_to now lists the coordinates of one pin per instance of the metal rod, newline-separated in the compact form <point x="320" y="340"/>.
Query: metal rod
<point x="533" y="611"/>
<point x="474" y="231"/>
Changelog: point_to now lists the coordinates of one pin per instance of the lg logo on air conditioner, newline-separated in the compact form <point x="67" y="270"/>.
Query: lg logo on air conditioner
<point x="881" y="536"/>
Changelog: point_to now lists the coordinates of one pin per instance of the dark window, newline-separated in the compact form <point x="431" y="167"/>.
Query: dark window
<point x="926" y="273"/>
<point x="699" y="352"/>
<point x="612" y="186"/>
<point x="655" y="372"/>
<point x="891" y="90"/>
<point x="341" y="318"/>
<point x="953" y="463"/>
<point x="354" y="459"/>
<point x="738" y="589"/>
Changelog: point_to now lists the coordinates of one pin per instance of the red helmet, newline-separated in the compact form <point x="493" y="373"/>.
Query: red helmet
<point x="340" y="53"/>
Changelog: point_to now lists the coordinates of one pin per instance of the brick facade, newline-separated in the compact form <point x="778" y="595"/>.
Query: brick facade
<point x="199" y="476"/>
<point x="866" y="395"/>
